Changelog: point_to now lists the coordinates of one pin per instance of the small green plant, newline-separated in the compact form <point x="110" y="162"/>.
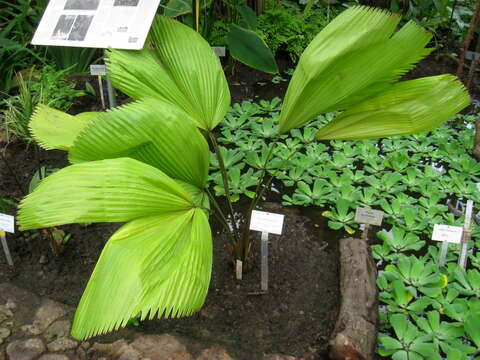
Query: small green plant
<point x="47" y="86"/>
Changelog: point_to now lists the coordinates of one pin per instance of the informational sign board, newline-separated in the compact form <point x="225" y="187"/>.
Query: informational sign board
<point x="266" y="222"/>
<point x="7" y="223"/>
<point x="448" y="233"/>
<point x="368" y="216"/>
<point x="119" y="24"/>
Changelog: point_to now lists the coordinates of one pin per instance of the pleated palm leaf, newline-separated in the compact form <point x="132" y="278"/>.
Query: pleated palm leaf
<point x="353" y="62"/>
<point x="127" y="169"/>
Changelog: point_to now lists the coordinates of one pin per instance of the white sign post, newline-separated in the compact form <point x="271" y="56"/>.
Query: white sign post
<point x="462" y="260"/>
<point x="447" y="234"/>
<point x="7" y="224"/>
<point x="266" y="223"/>
<point x="368" y="217"/>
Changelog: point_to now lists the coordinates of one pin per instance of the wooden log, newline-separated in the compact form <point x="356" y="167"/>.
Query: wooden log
<point x="355" y="333"/>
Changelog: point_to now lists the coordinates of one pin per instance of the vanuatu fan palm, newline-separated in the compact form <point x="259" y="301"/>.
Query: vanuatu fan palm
<point x="146" y="163"/>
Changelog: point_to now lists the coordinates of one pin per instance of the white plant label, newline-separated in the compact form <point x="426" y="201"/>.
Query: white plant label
<point x="478" y="186"/>
<point x="7" y="223"/>
<point x="368" y="216"/>
<point x="267" y="222"/>
<point x="98" y="70"/>
<point x="119" y="24"/>
<point x="448" y="233"/>
<point x="219" y="50"/>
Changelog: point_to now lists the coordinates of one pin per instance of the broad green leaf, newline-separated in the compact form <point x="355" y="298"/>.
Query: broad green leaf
<point x="154" y="266"/>
<point x="249" y="48"/>
<point x="248" y="17"/>
<point x="54" y="129"/>
<point x="150" y="131"/>
<point x="407" y="107"/>
<point x="472" y="327"/>
<point x="111" y="190"/>
<point x="175" y="8"/>
<point x="353" y="58"/>
<point x="177" y="66"/>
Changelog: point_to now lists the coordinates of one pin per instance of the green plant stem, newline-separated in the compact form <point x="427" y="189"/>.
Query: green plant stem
<point x="219" y="215"/>
<point x="259" y="191"/>
<point x="226" y="185"/>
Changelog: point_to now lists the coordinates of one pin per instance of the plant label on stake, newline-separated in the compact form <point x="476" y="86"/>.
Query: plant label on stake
<point x="99" y="71"/>
<point x="7" y="224"/>
<point x="462" y="260"/>
<point x="446" y="234"/>
<point x="266" y="223"/>
<point x="368" y="217"/>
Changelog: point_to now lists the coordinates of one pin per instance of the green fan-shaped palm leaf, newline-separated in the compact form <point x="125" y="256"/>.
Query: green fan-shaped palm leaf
<point x="54" y="129"/>
<point x="102" y="191"/>
<point x="150" y="131"/>
<point x="406" y="108"/>
<point x="353" y="58"/>
<point x="177" y="66"/>
<point x="159" y="265"/>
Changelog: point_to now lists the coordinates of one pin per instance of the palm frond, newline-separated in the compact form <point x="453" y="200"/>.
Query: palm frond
<point x="153" y="266"/>
<point x="54" y="129"/>
<point x="150" y="131"/>
<point x="102" y="191"/>
<point x="408" y="107"/>
<point x="354" y="58"/>
<point x="177" y="66"/>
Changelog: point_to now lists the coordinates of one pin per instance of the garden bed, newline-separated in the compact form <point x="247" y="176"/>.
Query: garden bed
<point x="296" y="317"/>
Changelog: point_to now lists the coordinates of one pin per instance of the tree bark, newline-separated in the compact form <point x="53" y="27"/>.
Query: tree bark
<point x="355" y="334"/>
<point x="468" y="39"/>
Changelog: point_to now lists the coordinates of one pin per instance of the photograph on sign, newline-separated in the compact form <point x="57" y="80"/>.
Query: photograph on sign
<point x="119" y="24"/>
<point x="447" y="233"/>
<point x="82" y="4"/>
<point x="267" y="222"/>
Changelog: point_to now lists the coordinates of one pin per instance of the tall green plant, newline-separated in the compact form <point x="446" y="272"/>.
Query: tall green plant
<point x="146" y="163"/>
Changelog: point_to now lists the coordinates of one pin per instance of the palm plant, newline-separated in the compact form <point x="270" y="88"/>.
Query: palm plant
<point x="146" y="163"/>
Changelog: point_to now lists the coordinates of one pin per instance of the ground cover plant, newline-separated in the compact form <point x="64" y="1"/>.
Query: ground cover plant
<point x="427" y="312"/>
<point x="126" y="166"/>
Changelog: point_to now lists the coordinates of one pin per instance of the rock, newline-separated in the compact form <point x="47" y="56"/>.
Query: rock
<point x="33" y="329"/>
<point x="214" y="353"/>
<point x="4" y="333"/>
<point x="10" y="304"/>
<point x="119" y="350"/>
<point x="62" y="344"/>
<point x="28" y="349"/>
<point x="2" y="355"/>
<point x="43" y="260"/>
<point x="161" y="347"/>
<point x="54" y="357"/>
<point x="48" y="312"/>
<point x="5" y="313"/>
<point x="279" y="357"/>
<point x="59" y="329"/>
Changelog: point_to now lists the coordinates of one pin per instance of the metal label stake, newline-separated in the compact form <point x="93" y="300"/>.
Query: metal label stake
<point x="7" y="224"/>
<point x="5" y="248"/>
<point x="266" y="222"/>
<point x="462" y="260"/>
<point x="264" y="254"/>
